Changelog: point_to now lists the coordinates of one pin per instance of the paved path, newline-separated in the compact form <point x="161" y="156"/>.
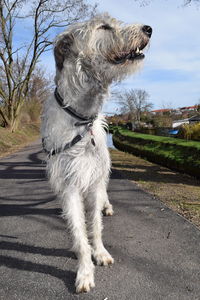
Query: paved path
<point x="157" y="254"/>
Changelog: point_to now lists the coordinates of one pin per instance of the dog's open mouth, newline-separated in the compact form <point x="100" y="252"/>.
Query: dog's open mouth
<point x="134" y="54"/>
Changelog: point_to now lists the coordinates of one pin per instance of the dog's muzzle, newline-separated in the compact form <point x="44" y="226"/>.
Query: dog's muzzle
<point x="135" y="54"/>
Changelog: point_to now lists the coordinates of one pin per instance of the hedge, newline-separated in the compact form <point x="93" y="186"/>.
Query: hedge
<point x="176" y="154"/>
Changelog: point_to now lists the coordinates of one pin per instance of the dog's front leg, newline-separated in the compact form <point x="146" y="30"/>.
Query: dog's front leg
<point x="100" y="254"/>
<point x="73" y="211"/>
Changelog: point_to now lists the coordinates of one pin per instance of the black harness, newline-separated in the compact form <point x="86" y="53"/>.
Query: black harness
<point x="81" y="121"/>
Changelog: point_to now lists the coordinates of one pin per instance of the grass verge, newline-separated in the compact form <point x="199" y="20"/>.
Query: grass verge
<point x="180" y="155"/>
<point x="178" y="191"/>
<point x="156" y="138"/>
<point x="11" y="142"/>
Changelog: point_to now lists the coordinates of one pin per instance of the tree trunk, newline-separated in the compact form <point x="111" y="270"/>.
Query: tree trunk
<point x="12" y="121"/>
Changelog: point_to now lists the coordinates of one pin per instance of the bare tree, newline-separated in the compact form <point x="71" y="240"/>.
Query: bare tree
<point x="185" y="2"/>
<point x="40" y="86"/>
<point x="135" y="102"/>
<point x="18" y="63"/>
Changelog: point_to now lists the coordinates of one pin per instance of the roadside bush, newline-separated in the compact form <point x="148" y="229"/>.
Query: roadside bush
<point x="162" y="121"/>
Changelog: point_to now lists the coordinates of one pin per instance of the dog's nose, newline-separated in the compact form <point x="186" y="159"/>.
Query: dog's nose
<point x="147" y="30"/>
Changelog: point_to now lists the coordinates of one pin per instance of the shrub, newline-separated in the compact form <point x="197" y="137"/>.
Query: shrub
<point x="190" y="132"/>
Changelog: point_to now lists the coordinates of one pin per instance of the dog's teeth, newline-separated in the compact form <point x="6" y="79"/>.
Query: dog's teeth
<point x="137" y="50"/>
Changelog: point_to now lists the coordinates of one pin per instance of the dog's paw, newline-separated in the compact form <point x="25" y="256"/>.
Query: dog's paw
<point x="108" y="210"/>
<point x="103" y="258"/>
<point x="84" y="281"/>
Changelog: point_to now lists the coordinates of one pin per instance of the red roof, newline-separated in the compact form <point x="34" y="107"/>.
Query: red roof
<point x="170" y="109"/>
<point x="161" y="110"/>
<point x="189" y="107"/>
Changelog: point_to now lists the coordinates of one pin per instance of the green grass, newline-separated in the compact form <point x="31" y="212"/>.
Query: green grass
<point x="169" y="140"/>
<point x="176" y="154"/>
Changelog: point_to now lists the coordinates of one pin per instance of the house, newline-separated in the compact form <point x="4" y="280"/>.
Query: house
<point x="189" y="108"/>
<point x="178" y="123"/>
<point x="161" y="111"/>
<point x="192" y="120"/>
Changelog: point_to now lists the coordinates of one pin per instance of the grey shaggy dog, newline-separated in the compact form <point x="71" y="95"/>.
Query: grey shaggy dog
<point x="89" y="56"/>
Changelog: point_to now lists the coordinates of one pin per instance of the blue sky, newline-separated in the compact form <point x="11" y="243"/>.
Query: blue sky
<point x="171" y="69"/>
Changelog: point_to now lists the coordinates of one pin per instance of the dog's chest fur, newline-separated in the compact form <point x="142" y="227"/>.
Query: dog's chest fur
<point x="84" y="163"/>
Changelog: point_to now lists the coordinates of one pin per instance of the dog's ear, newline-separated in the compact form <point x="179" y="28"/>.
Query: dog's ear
<point x="62" y="49"/>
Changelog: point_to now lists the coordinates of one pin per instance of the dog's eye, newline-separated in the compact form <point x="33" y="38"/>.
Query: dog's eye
<point x="105" y="27"/>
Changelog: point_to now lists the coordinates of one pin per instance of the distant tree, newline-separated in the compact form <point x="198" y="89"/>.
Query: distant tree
<point x="17" y="63"/>
<point x="162" y="121"/>
<point x="40" y="86"/>
<point x="135" y="103"/>
<point x="198" y="106"/>
<point x="185" y="2"/>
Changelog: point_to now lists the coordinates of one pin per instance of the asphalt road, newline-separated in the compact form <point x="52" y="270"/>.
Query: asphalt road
<point x="157" y="254"/>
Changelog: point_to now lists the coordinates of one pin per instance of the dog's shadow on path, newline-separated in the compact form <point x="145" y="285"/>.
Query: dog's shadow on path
<point x="32" y="168"/>
<point x="38" y="205"/>
<point x="68" y="277"/>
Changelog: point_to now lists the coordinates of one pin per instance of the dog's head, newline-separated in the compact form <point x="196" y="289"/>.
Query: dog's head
<point x="103" y="46"/>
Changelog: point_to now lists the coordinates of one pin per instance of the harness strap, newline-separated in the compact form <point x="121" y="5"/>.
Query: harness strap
<point x="72" y="112"/>
<point x="74" y="141"/>
<point x="67" y="146"/>
<point x="82" y="121"/>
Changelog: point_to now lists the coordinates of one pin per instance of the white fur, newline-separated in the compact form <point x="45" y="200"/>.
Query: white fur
<point x="84" y="57"/>
<point x="81" y="173"/>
